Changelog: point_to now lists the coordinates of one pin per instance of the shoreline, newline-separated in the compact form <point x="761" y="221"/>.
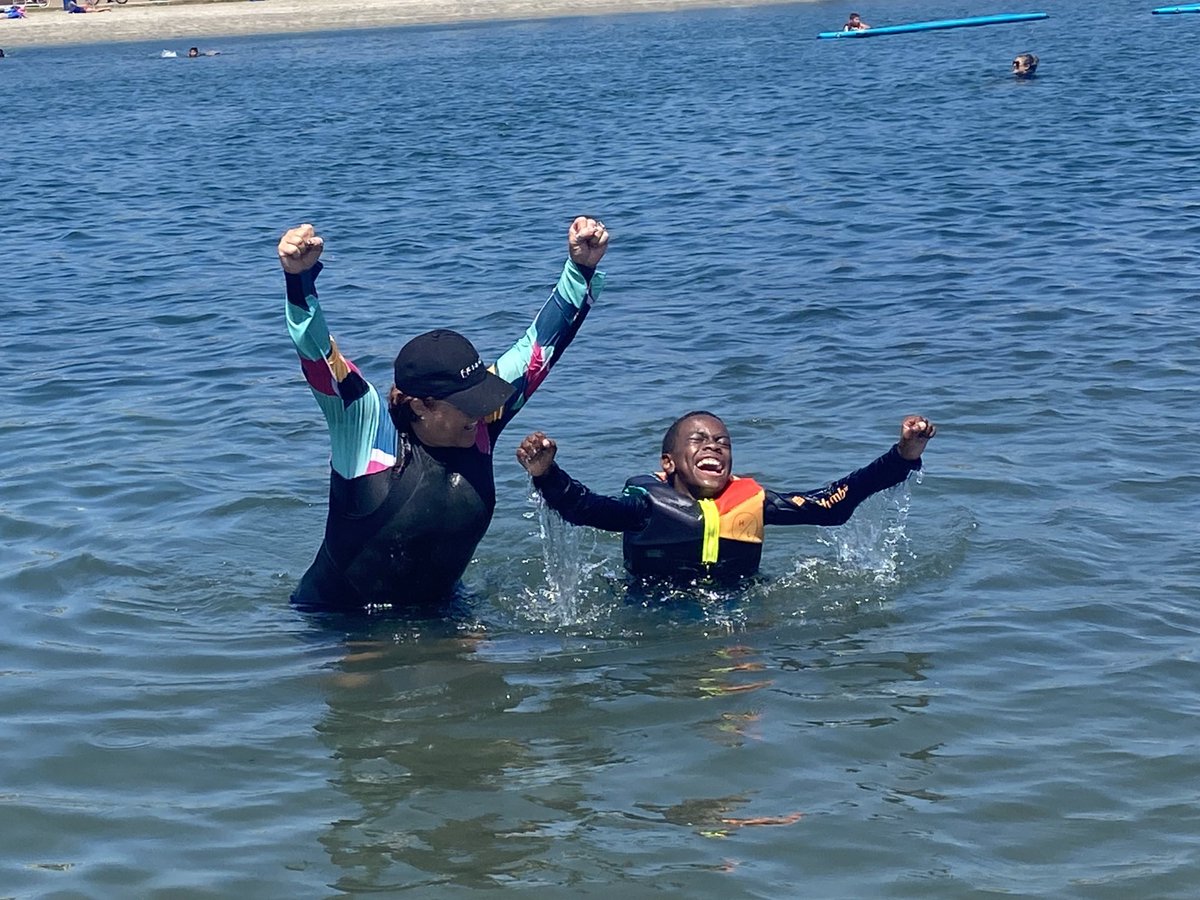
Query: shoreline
<point x="192" y="22"/>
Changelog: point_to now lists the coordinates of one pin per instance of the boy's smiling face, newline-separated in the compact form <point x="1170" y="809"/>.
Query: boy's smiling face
<point x="700" y="463"/>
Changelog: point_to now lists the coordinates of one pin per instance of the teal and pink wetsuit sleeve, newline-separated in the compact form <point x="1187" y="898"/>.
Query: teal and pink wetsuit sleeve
<point x="361" y="435"/>
<point x="526" y="364"/>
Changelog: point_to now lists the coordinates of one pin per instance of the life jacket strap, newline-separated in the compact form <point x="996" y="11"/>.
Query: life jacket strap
<point x="711" y="542"/>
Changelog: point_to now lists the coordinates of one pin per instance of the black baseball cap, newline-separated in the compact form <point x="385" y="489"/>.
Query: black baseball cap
<point x="443" y="364"/>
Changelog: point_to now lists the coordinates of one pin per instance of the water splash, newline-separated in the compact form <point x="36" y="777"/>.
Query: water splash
<point x="868" y="559"/>
<point x="568" y="562"/>
<point x="874" y="542"/>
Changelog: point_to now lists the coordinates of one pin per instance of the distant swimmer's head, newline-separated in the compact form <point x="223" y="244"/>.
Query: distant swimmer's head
<point x="443" y="389"/>
<point x="193" y="52"/>
<point x="697" y="455"/>
<point x="1024" y="65"/>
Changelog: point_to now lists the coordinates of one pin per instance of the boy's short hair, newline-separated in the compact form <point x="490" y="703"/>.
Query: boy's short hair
<point x="668" y="443"/>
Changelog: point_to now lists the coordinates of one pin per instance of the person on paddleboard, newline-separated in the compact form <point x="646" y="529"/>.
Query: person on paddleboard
<point x="411" y="487"/>
<point x="695" y="518"/>
<point x="855" y="23"/>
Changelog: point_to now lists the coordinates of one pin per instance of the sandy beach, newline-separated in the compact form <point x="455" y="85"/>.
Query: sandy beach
<point x="194" y="22"/>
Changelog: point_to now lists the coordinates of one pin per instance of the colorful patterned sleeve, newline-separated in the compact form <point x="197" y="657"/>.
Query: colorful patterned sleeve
<point x="360" y="442"/>
<point x="526" y="364"/>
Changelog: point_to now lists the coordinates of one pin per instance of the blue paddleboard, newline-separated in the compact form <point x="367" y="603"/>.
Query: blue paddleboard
<point x="1167" y="10"/>
<point x="939" y="24"/>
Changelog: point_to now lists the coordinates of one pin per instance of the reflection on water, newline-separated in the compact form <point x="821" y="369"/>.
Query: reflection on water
<point x="484" y="760"/>
<point x="447" y="795"/>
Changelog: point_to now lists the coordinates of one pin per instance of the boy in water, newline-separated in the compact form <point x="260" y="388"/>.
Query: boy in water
<point x="695" y="518"/>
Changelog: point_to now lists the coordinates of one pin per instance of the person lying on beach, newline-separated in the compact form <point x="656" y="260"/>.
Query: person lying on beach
<point x="73" y="7"/>
<point x="1025" y="65"/>
<point x="695" y="518"/>
<point x="855" y="23"/>
<point x="411" y="488"/>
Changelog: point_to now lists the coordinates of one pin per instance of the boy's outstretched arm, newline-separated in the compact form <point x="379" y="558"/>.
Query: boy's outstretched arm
<point x="571" y="499"/>
<point x="836" y="502"/>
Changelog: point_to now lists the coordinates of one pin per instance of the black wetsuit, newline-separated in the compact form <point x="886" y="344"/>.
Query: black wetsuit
<point x="402" y="535"/>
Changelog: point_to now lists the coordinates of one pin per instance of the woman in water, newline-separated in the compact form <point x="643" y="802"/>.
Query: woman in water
<point x="411" y="489"/>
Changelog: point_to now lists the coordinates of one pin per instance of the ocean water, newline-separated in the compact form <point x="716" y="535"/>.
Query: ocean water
<point x="985" y="684"/>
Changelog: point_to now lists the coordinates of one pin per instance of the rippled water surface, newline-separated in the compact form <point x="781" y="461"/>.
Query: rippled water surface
<point x="984" y="685"/>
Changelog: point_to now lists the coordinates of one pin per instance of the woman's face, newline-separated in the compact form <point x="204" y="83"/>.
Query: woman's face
<point x="439" y="423"/>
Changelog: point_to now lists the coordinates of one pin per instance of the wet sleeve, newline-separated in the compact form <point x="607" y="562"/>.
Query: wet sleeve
<point x="579" y="506"/>
<point x="351" y="405"/>
<point x="834" y="503"/>
<point x="526" y="364"/>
